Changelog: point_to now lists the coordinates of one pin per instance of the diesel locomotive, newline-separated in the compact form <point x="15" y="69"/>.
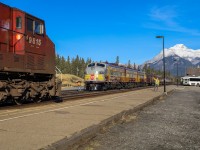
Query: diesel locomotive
<point x="27" y="58"/>
<point x="103" y="76"/>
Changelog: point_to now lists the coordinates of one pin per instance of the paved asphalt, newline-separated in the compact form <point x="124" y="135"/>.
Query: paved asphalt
<point x="173" y="123"/>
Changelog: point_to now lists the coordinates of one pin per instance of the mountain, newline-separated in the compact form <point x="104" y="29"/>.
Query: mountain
<point x="184" y="56"/>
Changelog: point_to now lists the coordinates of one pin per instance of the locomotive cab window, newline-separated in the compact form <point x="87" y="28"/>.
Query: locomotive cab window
<point x="91" y="65"/>
<point x="19" y="22"/>
<point x="100" y="65"/>
<point x="35" y="26"/>
<point x="39" y="28"/>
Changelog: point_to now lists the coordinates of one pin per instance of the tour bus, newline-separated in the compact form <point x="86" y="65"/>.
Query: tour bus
<point x="191" y="80"/>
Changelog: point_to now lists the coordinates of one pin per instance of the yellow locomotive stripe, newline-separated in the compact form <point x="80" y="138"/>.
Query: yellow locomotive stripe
<point x="95" y="77"/>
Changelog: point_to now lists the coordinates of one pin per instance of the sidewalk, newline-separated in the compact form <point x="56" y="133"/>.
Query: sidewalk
<point x="61" y="126"/>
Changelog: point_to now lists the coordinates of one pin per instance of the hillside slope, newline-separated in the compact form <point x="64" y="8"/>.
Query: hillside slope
<point x="69" y="80"/>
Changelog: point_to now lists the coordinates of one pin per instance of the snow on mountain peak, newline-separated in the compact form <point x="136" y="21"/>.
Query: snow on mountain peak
<point x="179" y="46"/>
<point x="182" y="51"/>
<point x="178" y="50"/>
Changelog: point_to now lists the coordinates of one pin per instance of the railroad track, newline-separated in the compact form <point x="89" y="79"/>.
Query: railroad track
<point x="84" y="94"/>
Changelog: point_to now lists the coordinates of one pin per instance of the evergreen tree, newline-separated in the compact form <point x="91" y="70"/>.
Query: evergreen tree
<point x="68" y="65"/>
<point x="82" y="68"/>
<point x="117" y="60"/>
<point x="88" y="61"/>
<point x="57" y="60"/>
<point x="75" y="66"/>
<point x="129" y="64"/>
<point x="62" y="65"/>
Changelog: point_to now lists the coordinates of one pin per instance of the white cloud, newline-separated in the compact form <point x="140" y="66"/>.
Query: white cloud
<point x="165" y="14"/>
<point x="167" y="18"/>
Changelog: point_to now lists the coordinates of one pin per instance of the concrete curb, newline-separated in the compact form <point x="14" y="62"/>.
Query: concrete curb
<point x="78" y="139"/>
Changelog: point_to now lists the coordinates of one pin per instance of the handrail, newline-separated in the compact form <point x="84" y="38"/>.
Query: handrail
<point x="13" y="31"/>
<point x="14" y="44"/>
<point x="58" y="71"/>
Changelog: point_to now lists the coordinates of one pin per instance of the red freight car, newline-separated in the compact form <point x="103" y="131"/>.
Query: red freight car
<point x="27" y="58"/>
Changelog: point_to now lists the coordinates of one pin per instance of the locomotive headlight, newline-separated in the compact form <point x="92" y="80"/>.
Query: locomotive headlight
<point x="18" y="36"/>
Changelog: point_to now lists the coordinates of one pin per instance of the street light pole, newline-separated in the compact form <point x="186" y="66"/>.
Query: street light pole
<point x="177" y="73"/>
<point x="162" y="37"/>
<point x="176" y="70"/>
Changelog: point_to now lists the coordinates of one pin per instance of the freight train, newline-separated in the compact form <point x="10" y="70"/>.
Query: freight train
<point x="103" y="76"/>
<point x="27" y="58"/>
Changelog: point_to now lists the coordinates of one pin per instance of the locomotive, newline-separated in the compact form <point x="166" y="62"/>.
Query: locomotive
<point x="103" y="76"/>
<point x="27" y="58"/>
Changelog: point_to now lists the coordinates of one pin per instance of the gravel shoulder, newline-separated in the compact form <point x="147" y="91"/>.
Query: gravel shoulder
<point x="173" y="123"/>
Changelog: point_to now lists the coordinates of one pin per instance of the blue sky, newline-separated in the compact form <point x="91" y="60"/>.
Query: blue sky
<point x="104" y="29"/>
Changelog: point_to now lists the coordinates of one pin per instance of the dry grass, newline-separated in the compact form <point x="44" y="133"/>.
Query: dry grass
<point x="70" y="80"/>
